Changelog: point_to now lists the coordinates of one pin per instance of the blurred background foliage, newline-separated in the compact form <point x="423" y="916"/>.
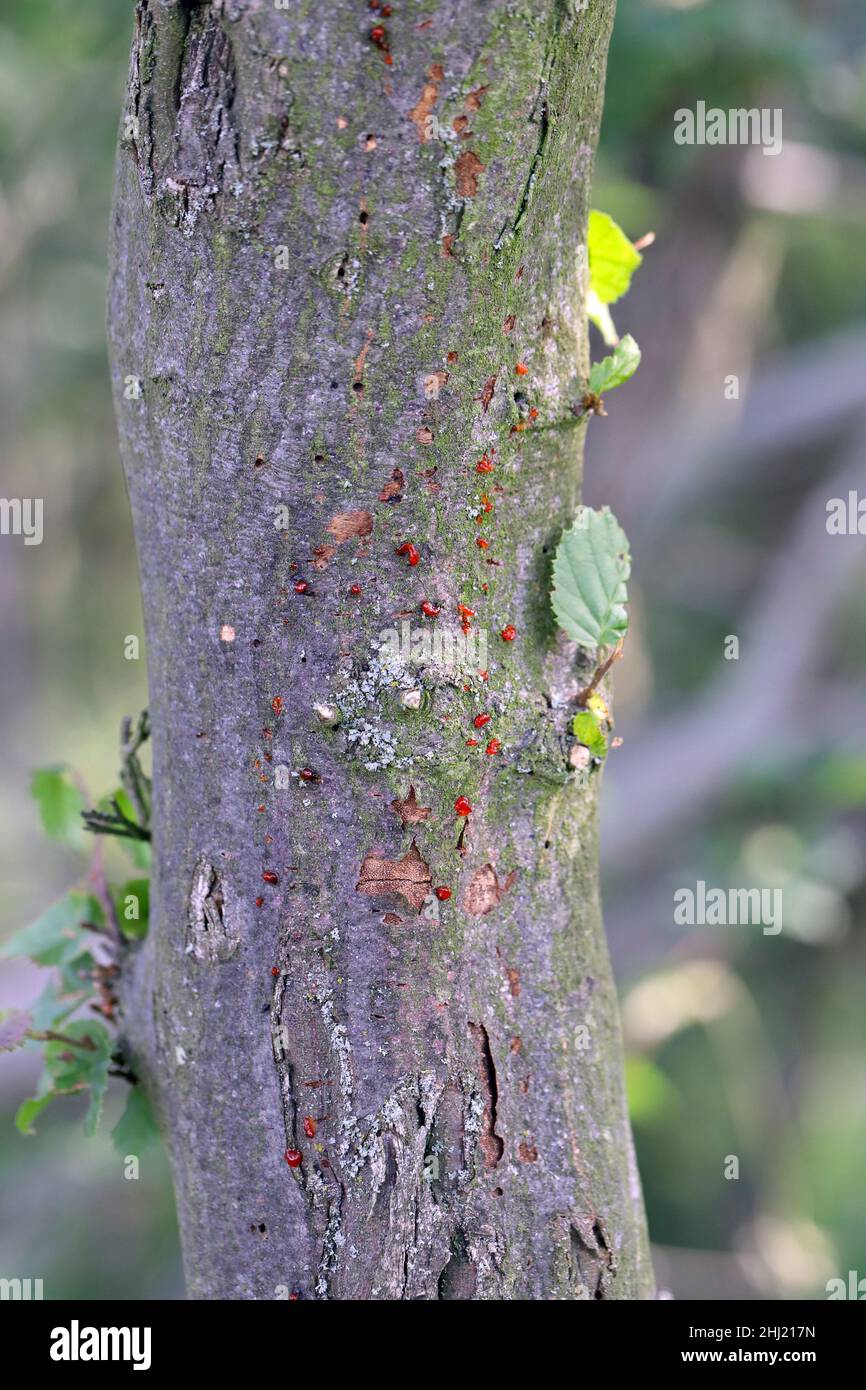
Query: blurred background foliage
<point x="741" y="773"/>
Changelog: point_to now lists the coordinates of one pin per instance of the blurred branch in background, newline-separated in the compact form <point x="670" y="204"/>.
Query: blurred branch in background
<point x="748" y="415"/>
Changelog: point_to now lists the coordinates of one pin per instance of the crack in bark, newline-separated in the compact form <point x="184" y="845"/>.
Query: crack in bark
<point x="409" y="1170"/>
<point x="492" y="1146"/>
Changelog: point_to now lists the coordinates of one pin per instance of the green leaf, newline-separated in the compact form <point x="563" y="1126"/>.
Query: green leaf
<point x="588" y="731"/>
<point x="133" y="907"/>
<point x="651" y="1096"/>
<point x="613" y="259"/>
<point x="618" y="368"/>
<point x="56" y="938"/>
<point x="137" y="1126"/>
<point x="60" y="804"/>
<point x="14" y="1027"/>
<point x="74" y="1068"/>
<point x="51" y="1009"/>
<point x="30" y="1109"/>
<point x="590" y="573"/>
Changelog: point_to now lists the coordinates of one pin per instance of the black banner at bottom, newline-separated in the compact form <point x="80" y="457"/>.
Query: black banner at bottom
<point x="70" y="1339"/>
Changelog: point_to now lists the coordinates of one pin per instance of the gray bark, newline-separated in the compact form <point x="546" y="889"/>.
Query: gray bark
<point x="460" y="1058"/>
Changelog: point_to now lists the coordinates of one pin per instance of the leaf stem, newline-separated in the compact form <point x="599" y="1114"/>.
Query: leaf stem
<point x="600" y="672"/>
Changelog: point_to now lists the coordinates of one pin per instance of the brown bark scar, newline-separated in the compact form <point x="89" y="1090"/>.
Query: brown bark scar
<point x="409" y="876"/>
<point x="467" y="167"/>
<point x="423" y="109"/>
<point x="322" y="554"/>
<point x="485" y="891"/>
<point x="474" y="99"/>
<point x="345" y="525"/>
<point x="393" y="489"/>
<point x="487" y="392"/>
<point x="409" y="810"/>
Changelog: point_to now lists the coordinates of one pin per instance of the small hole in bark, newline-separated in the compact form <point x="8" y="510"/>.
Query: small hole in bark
<point x="363" y="218"/>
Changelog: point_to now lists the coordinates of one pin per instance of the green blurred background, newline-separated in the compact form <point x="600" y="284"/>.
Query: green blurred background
<point x="743" y="773"/>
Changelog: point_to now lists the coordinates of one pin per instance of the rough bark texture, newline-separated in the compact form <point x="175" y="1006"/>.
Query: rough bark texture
<point x="326" y="268"/>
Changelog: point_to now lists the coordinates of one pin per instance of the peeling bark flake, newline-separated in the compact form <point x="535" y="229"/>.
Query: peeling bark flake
<point x="212" y="937"/>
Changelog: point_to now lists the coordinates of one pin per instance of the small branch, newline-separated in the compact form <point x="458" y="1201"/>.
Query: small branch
<point x="136" y="785"/>
<point x="600" y="672"/>
<point x="102" y="823"/>
<point x="134" y="782"/>
<point x="102" y="893"/>
<point x="48" y="1035"/>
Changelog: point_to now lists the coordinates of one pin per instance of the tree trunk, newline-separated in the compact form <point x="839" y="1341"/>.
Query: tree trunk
<point x="339" y="237"/>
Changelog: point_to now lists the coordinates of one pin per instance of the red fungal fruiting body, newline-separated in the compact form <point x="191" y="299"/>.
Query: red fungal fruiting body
<point x="307" y="774"/>
<point x="472" y="743"/>
<point x="482" y="543"/>
<point x="481" y="719"/>
<point x="494" y="746"/>
<point x="293" y="1157"/>
<point x="443" y="894"/>
<point x="484" y="675"/>
<point x="429" y="609"/>
<point x="521" y="369"/>
<point x="310" y="1127"/>
<point x="378" y="35"/>
<point x="508" y="633"/>
<point x="484" y="465"/>
<point x="270" y="877"/>
<point x="275" y="970"/>
<point x="409" y="551"/>
<point x="260" y="902"/>
<point x="533" y="414"/>
<point x="464" y="611"/>
<point x="486" y="502"/>
<point x="355" y="589"/>
<point x="462" y="806"/>
<point x="277" y="704"/>
<point x="301" y="586"/>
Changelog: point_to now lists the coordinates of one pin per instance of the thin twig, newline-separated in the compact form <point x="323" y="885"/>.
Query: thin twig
<point x="600" y="672"/>
<point x="102" y="893"/>
<point x="49" y="1035"/>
